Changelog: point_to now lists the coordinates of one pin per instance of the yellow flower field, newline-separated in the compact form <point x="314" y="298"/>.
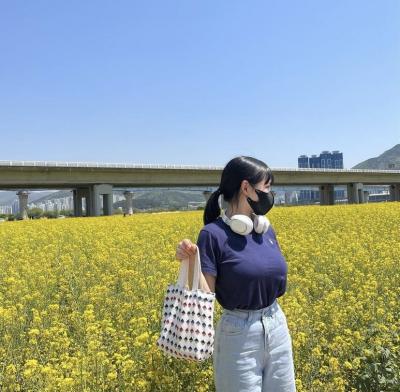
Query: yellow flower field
<point x="81" y="300"/>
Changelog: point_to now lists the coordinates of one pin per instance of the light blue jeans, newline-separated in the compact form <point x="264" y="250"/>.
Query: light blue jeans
<point x="253" y="351"/>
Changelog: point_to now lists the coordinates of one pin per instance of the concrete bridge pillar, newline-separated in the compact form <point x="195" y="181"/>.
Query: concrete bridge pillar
<point x="355" y="193"/>
<point x="23" y="204"/>
<point x="108" y="203"/>
<point x="326" y="194"/>
<point x="77" y="195"/>
<point x="128" y="202"/>
<point x="394" y="192"/>
<point x="93" y="195"/>
<point x="75" y="200"/>
<point x="96" y="192"/>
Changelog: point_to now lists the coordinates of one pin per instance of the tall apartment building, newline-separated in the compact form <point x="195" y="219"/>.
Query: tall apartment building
<point x="327" y="160"/>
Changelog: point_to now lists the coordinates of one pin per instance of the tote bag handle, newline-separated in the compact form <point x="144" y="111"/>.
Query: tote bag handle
<point x="184" y="272"/>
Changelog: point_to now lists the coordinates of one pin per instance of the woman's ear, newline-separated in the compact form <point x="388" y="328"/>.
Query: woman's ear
<point x="245" y="187"/>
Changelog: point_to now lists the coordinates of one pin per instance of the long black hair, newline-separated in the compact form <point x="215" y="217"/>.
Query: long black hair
<point x="236" y="170"/>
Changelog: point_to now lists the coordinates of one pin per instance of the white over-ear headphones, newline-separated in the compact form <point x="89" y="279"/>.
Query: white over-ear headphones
<point x="242" y="224"/>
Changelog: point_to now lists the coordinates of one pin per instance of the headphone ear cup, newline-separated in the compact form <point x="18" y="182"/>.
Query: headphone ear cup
<point x="261" y="224"/>
<point x="241" y="224"/>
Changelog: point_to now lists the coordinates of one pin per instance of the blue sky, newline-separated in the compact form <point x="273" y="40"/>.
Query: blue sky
<point x="198" y="82"/>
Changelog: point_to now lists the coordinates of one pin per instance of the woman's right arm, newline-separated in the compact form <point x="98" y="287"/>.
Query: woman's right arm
<point x="186" y="249"/>
<point x="209" y="284"/>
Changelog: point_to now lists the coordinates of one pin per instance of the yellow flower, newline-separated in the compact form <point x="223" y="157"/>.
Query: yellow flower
<point x="82" y="299"/>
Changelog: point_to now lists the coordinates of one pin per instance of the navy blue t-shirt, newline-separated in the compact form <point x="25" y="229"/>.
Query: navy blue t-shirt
<point x="250" y="270"/>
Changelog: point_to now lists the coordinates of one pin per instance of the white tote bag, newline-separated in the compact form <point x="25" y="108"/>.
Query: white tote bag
<point x="187" y="325"/>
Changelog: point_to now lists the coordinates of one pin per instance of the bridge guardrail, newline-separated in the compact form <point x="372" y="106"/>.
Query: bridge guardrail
<point x="174" y="166"/>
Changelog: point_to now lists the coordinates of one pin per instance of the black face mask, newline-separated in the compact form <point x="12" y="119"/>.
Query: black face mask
<point x="264" y="204"/>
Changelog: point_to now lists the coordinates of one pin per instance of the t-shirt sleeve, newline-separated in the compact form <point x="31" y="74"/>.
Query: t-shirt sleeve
<point x="208" y="251"/>
<point x="274" y="236"/>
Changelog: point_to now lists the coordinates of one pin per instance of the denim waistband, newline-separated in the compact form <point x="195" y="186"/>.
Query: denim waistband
<point x="254" y="313"/>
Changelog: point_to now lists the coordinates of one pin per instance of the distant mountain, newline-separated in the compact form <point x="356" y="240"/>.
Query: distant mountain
<point x="153" y="198"/>
<point x="51" y="196"/>
<point x="390" y="159"/>
<point x="168" y="199"/>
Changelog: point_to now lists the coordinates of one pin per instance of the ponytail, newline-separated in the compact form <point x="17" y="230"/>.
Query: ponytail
<point x="212" y="209"/>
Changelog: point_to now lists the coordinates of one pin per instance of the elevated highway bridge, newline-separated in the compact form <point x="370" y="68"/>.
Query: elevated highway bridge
<point x="93" y="181"/>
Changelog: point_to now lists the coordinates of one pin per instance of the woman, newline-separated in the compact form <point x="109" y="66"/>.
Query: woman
<point x="242" y="263"/>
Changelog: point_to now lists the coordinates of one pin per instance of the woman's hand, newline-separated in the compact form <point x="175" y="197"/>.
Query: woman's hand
<point x="186" y="250"/>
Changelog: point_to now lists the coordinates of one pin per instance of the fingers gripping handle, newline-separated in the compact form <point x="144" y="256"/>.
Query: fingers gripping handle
<point x="184" y="272"/>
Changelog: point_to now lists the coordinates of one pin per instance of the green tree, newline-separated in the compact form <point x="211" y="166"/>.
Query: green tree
<point x="35" y="213"/>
